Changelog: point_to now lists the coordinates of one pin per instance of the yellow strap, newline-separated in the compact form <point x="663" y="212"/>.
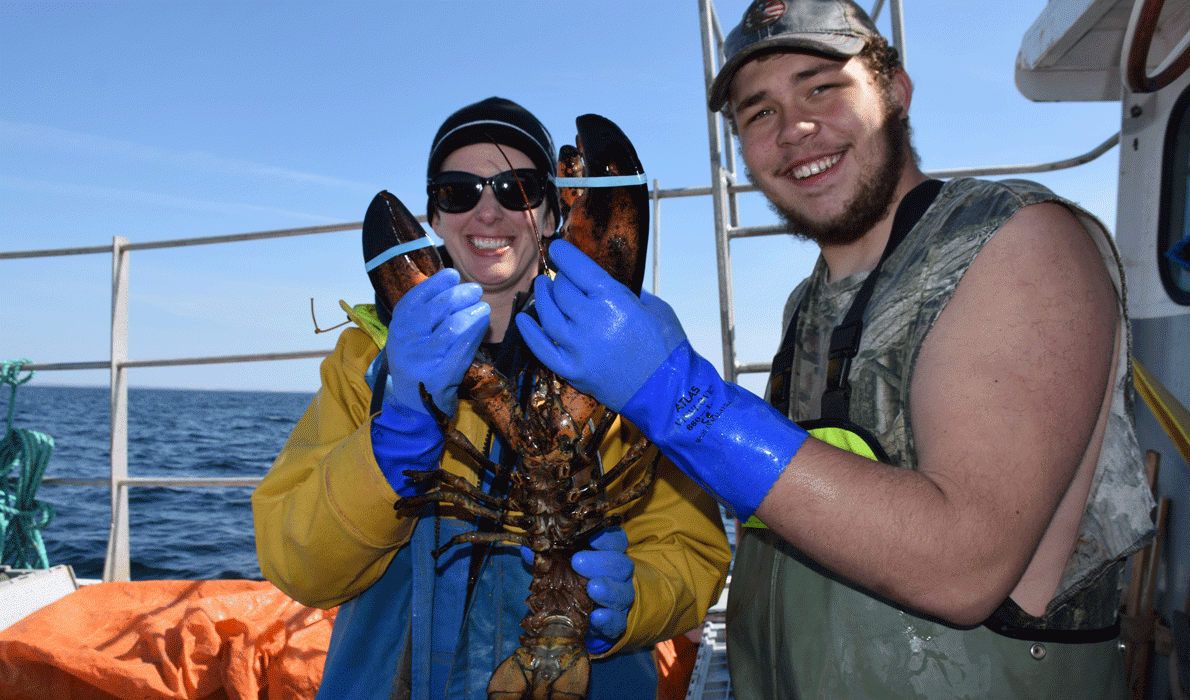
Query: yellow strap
<point x="1171" y="414"/>
<point x="365" y="317"/>
<point x="839" y="437"/>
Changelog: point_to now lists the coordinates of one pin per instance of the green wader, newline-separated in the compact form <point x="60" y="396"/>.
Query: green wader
<point x="852" y="644"/>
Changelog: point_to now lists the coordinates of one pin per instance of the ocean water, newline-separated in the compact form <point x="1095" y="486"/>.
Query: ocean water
<point x="176" y="533"/>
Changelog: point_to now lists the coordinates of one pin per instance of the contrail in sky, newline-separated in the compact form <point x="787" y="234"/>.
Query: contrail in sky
<point x="38" y="136"/>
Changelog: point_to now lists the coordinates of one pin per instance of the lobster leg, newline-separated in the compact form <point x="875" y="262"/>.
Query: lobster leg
<point x="638" y="489"/>
<point x="456" y="438"/>
<point x="629" y="459"/>
<point x="593" y="439"/>
<point x="465" y="501"/>
<point x="480" y="538"/>
<point x="438" y="480"/>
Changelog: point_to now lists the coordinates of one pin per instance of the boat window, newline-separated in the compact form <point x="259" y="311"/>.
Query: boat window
<point x="1173" y="229"/>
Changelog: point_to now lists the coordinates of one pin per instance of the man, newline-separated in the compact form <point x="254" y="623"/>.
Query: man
<point x="961" y="350"/>
<point x="411" y="625"/>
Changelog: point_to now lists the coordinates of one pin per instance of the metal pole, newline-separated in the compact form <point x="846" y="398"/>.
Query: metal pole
<point x="656" y="237"/>
<point x="897" y="16"/>
<point x="875" y="13"/>
<point x="719" y="193"/>
<point x="115" y="565"/>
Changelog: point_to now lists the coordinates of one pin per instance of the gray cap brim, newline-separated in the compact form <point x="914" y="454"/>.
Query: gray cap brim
<point x="835" y="45"/>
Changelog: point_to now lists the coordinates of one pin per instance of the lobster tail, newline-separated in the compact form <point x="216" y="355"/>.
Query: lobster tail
<point x="557" y="667"/>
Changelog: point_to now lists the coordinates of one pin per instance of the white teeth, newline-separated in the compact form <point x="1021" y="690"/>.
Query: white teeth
<point x="487" y="243"/>
<point x="814" y="167"/>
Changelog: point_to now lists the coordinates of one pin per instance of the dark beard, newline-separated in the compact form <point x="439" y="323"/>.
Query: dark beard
<point x="870" y="203"/>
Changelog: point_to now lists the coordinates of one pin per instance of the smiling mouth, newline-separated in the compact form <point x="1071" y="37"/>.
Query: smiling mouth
<point x="489" y="242"/>
<point x="805" y="170"/>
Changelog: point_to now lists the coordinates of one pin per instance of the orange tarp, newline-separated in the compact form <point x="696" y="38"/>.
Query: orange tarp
<point x="200" y="640"/>
<point x="675" y="664"/>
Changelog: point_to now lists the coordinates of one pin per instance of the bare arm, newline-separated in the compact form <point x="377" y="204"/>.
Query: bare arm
<point x="1005" y="399"/>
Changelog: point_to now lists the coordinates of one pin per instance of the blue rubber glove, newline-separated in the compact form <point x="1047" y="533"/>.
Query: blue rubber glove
<point x="609" y="572"/>
<point x="435" y="330"/>
<point x="432" y="338"/>
<point x="404" y="438"/>
<point x="632" y="356"/>
<point x="597" y="334"/>
<point x="732" y="442"/>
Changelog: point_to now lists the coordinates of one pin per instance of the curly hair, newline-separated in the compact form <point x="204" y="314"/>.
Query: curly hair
<point x="882" y="59"/>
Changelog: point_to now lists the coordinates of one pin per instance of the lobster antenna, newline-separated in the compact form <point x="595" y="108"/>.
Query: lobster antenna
<point x="528" y="212"/>
<point x="318" y="330"/>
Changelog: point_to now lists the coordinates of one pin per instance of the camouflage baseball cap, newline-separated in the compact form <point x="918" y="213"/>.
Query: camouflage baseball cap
<point x="838" y="28"/>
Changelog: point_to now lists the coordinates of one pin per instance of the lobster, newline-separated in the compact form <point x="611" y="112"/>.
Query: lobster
<point x="557" y="496"/>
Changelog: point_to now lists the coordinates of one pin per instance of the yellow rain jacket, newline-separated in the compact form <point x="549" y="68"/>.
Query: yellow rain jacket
<point x="326" y="529"/>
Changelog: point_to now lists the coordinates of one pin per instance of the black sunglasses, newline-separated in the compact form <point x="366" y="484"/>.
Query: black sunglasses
<point x="455" y="191"/>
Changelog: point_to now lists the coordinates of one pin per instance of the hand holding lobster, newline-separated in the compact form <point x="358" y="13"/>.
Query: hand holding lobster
<point x="623" y="337"/>
<point x="436" y="328"/>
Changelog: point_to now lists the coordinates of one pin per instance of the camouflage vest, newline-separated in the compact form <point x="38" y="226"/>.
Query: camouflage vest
<point x="830" y="639"/>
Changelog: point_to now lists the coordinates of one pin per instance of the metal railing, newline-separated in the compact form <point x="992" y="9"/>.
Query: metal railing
<point x="116" y="559"/>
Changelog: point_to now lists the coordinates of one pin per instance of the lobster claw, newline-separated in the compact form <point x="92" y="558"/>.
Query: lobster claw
<point x="605" y="199"/>
<point x="397" y="252"/>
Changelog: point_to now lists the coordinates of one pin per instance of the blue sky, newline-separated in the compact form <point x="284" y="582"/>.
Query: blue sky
<point x="155" y="120"/>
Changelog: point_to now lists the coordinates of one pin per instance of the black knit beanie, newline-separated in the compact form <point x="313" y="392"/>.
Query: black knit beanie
<point x="495" y="120"/>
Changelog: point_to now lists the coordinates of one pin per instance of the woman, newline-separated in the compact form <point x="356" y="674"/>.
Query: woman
<point x="326" y="531"/>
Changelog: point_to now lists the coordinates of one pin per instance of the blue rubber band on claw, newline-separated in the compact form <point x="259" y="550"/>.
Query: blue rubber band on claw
<point x="602" y="181"/>
<point x="409" y="247"/>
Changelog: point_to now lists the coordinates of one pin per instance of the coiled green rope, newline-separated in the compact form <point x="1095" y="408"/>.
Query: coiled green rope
<point x="22" y="517"/>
